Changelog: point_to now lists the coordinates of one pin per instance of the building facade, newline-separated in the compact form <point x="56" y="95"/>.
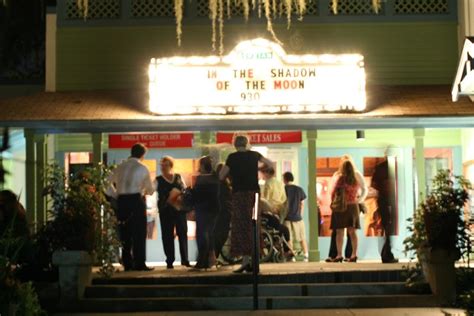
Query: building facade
<point x="96" y="93"/>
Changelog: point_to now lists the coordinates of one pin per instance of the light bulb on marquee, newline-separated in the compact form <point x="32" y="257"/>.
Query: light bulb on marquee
<point x="257" y="77"/>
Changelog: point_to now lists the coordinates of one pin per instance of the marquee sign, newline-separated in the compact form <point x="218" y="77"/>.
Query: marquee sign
<point x="257" y="77"/>
<point x="263" y="137"/>
<point x="151" y="140"/>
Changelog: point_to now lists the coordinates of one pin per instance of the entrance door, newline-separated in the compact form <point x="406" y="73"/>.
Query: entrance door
<point x="186" y="166"/>
<point x="367" y="161"/>
<point x="285" y="159"/>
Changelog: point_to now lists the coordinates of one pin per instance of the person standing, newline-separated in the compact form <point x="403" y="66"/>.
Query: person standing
<point x="222" y="227"/>
<point x="131" y="180"/>
<point x="242" y="166"/>
<point x="205" y="195"/>
<point x="294" y="219"/>
<point x="347" y="216"/>
<point x="362" y="194"/>
<point x="381" y="183"/>
<point x="170" y="217"/>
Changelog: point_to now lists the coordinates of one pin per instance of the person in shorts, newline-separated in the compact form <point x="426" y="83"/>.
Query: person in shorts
<point x="294" y="219"/>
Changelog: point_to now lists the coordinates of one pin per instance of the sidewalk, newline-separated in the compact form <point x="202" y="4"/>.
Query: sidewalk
<point x="318" y="312"/>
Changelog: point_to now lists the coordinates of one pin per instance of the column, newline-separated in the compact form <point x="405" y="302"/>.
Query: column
<point x="41" y="162"/>
<point x="97" y="148"/>
<point x="205" y="137"/>
<point x="30" y="174"/>
<point x="312" y="199"/>
<point x="419" y="134"/>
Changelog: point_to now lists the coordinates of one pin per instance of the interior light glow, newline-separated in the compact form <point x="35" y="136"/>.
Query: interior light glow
<point x="256" y="77"/>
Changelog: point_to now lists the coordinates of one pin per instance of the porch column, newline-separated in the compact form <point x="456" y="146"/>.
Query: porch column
<point x="312" y="199"/>
<point x="205" y="137"/>
<point x="30" y="168"/>
<point x="97" y="148"/>
<point x="41" y="160"/>
<point x="419" y="134"/>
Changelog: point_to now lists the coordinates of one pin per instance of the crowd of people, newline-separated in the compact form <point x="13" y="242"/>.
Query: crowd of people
<point x="224" y="198"/>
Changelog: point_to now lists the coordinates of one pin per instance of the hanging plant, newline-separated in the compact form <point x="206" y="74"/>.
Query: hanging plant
<point x="271" y="8"/>
<point x="83" y="7"/>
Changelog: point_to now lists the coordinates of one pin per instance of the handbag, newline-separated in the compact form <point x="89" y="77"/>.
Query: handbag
<point x="362" y="208"/>
<point x="338" y="204"/>
<point x="182" y="201"/>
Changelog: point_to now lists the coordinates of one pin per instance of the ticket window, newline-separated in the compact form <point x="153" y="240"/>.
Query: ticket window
<point x="75" y="162"/>
<point x="284" y="160"/>
<point x="436" y="159"/>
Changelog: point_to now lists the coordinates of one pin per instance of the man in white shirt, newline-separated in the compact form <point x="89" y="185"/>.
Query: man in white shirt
<point x="274" y="192"/>
<point x="131" y="182"/>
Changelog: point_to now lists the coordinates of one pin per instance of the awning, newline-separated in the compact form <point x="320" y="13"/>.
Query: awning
<point x="120" y="111"/>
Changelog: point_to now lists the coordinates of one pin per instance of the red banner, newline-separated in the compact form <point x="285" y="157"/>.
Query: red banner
<point x="264" y="137"/>
<point x="156" y="140"/>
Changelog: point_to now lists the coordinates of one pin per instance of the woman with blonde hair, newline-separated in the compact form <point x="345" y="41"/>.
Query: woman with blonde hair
<point x="346" y="214"/>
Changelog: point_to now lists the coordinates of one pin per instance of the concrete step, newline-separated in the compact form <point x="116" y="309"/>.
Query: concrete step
<point x="234" y="290"/>
<point x="288" y="278"/>
<point x="246" y="303"/>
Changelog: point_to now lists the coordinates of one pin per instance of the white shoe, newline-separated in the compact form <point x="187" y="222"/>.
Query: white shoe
<point x="293" y="259"/>
<point x="305" y="259"/>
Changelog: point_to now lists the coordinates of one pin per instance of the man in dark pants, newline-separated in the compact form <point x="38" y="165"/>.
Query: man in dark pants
<point x="131" y="180"/>
<point x="381" y="183"/>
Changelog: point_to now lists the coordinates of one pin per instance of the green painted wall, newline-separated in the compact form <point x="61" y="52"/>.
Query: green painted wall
<point x="395" y="53"/>
<point x="381" y="138"/>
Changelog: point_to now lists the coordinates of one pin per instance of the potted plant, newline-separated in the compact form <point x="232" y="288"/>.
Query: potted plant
<point x="16" y="298"/>
<point x="82" y="229"/>
<point x="438" y="233"/>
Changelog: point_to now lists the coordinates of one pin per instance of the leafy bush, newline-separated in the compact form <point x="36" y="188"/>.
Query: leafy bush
<point x="82" y="218"/>
<point x="439" y="222"/>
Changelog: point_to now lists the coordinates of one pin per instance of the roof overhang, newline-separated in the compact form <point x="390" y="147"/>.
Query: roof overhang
<point x="464" y="82"/>
<point x="126" y="111"/>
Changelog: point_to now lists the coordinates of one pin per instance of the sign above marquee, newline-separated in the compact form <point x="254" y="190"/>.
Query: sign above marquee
<point x="257" y="77"/>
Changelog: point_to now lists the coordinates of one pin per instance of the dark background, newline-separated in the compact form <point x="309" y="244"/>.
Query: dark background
<point x="22" y="41"/>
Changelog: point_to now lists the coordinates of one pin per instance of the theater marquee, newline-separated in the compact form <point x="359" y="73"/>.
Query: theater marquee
<point x="257" y="77"/>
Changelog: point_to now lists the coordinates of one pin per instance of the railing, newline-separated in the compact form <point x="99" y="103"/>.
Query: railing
<point x="156" y="12"/>
<point x="256" y="248"/>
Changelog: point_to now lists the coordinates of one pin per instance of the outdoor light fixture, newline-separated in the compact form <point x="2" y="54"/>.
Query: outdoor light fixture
<point x="257" y="77"/>
<point x="360" y="135"/>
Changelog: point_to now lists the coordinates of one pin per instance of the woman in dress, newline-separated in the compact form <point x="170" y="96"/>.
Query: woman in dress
<point x="206" y="202"/>
<point x="242" y="167"/>
<point x="347" y="218"/>
<point x="361" y="196"/>
<point x="170" y="217"/>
